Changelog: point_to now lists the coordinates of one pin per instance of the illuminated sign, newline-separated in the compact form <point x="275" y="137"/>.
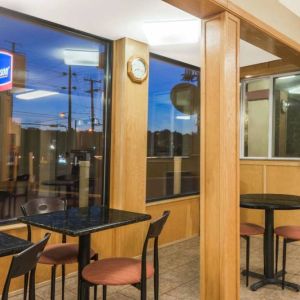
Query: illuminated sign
<point x="6" y="71"/>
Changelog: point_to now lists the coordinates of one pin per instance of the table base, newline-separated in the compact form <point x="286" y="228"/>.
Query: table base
<point x="265" y="281"/>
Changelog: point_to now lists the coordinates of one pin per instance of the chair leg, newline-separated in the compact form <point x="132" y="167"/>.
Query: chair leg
<point x="156" y="286"/>
<point x="277" y="253"/>
<point x="284" y="263"/>
<point x="26" y="276"/>
<point x="104" y="292"/>
<point x="144" y="289"/>
<point x="32" y="285"/>
<point x="95" y="292"/>
<point x="63" y="279"/>
<point x="247" y="259"/>
<point x="53" y="278"/>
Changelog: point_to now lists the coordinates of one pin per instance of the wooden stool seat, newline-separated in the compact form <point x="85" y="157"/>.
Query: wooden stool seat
<point x="248" y="229"/>
<point x="288" y="232"/>
<point x="61" y="254"/>
<point x="116" y="271"/>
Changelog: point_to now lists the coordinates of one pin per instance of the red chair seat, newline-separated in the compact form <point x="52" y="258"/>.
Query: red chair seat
<point x="115" y="271"/>
<point x="60" y="254"/>
<point x="289" y="232"/>
<point x="247" y="229"/>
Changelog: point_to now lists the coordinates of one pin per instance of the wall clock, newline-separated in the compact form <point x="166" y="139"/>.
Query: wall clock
<point x="137" y="69"/>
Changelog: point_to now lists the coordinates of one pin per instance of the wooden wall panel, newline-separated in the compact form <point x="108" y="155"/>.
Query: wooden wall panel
<point x="219" y="230"/>
<point x="183" y="222"/>
<point x="281" y="177"/>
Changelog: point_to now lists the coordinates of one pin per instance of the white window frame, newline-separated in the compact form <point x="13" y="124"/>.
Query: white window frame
<point x="271" y="130"/>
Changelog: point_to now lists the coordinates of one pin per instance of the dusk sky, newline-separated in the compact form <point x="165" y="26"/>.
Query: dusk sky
<point x="43" y="48"/>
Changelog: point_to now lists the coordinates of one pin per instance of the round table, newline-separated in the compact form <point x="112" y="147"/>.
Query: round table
<point x="269" y="203"/>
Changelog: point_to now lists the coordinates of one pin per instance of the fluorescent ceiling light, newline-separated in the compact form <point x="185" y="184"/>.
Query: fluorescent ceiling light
<point x="17" y="90"/>
<point x="286" y="77"/>
<point x="295" y="90"/>
<point x="35" y="95"/>
<point x="172" y="32"/>
<point x="81" y="58"/>
<point x="183" y="117"/>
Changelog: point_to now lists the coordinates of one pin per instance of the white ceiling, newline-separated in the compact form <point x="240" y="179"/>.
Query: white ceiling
<point x="292" y="5"/>
<point x="115" y="19"/>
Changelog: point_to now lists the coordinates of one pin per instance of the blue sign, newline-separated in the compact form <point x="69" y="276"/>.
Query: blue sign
<point x="6" y="71"/>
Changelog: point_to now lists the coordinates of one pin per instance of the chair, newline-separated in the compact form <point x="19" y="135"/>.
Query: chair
<point x="57" y="254"/>
<point x="246" y="231"/>
<point x="24" y="263"/>
<point x="129" y="271"/>
<point x="4" y="196"/>
<point x="20" y="188"/>
<point x="289" y="234"/>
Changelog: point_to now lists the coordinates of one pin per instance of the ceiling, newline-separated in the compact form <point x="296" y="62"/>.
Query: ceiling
<point x="292" y="5"/>
<point x="115" y="19"/>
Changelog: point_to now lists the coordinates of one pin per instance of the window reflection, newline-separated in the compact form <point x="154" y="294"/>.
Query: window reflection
<point x="53" y="117"/>
<point x="173" y="129"/>
<point x="287" y="112"/>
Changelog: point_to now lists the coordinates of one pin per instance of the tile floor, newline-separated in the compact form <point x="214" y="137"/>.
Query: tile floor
<point x="179" y="276"/>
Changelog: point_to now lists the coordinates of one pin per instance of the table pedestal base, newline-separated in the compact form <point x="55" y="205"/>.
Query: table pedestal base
<point x="265" y="281"/>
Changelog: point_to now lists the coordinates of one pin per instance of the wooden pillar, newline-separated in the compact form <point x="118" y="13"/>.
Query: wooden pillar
<point x="129" y="144"/>
<point x="220" y="159"/>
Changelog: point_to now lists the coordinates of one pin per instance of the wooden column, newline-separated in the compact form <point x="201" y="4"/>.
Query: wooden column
<point x="129" y="144"/>
<point x="220" y="159"/>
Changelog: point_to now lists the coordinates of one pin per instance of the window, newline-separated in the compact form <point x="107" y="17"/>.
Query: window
<point x="54" y="115"/>
<point x="173" y="129"/>
<point x="271" y="117"/>
<point x="256" y="118"/>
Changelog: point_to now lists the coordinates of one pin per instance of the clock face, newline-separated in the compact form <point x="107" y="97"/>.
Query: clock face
<point x="137" y="69"/>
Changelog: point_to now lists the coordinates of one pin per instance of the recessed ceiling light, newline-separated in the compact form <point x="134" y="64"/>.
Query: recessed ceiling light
<point x="183" y="117"/>
<point x="172" y="32"/>
<point x="81" y="58"/>
<point x="35" y="95"/>
<point x="295" y="90"/>
<point x="286" y="77"/>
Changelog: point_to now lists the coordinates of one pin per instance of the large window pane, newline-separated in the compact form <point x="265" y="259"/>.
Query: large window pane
<point x="173" y="129"/>
<point x="53" y="118"/>
<point x="256" y="118"/>
<point x="287" y="116"/>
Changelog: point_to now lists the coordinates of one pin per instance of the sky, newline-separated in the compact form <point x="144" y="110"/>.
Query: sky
<point x="43" y="48"/>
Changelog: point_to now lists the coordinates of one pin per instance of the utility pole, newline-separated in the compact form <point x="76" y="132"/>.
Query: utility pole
<point x="92" y="91"/>
<point x="70" y="88"/>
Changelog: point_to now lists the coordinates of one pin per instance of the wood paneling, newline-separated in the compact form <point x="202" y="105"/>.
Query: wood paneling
<point x="262" y="176"/>
<point x="129" y="144"/>
<point x="129" y="128"/>
<point x="268" y="68"/>
<point x="219" y="162"/>
<point x="183" y="222"/>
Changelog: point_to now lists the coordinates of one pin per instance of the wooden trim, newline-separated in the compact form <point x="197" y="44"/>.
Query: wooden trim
<point x="286" y="163"/>
<point x="12" y="227"/>
<point x="268" y="68"/>
<point x="173" y="200"/>
<point x="219" y="214"/>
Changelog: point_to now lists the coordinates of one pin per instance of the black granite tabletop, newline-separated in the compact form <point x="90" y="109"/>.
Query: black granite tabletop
<point x="270" y="201"/>
<point x="81" y="221"/>
<point x="11" y="245"/>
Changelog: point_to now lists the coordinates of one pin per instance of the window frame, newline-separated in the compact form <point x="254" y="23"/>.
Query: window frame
<point x="271" y="129"/>
<point x="107" y="107"/>
<point x="184" y="65"/>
